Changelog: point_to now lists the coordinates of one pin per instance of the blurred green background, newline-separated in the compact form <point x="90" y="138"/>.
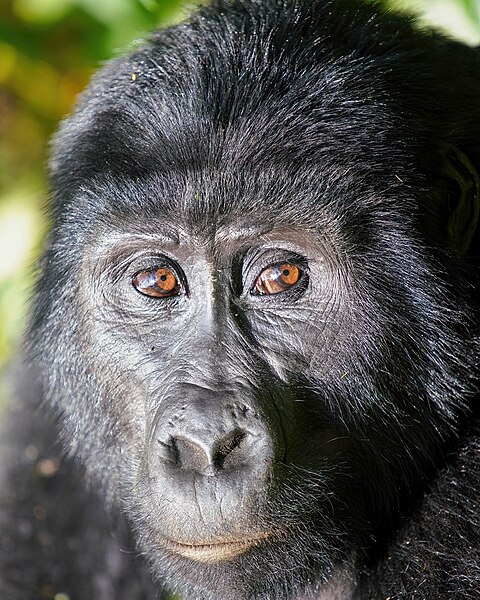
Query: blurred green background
<point x="48" y="50"/>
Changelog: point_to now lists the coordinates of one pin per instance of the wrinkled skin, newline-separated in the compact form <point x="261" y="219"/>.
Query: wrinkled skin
<point x="265" y="441"/>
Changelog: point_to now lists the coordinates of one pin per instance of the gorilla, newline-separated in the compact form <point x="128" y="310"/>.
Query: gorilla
<point x="252" y="364"/>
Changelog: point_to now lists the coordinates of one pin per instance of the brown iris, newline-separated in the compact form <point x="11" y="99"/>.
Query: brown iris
<point x="277" y="278"/>
<point x="158" y="283"/>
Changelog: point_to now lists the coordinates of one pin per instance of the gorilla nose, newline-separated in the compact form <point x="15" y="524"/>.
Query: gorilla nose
<point x="211" y="434"/>
<point x="209" y="454"/>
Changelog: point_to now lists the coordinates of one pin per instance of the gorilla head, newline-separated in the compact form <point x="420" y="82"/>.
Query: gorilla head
<point x="253" y="318"/>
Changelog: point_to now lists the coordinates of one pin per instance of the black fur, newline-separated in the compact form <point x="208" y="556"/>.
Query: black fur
<point x="330" y="135"/>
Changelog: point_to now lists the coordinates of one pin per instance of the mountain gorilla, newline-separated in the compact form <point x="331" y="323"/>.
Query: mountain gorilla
<point x="256" y="325"/>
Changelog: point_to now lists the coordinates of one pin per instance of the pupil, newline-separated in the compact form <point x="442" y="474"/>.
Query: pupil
<point x="163" y="277"/>
<point x="286" y="272"/>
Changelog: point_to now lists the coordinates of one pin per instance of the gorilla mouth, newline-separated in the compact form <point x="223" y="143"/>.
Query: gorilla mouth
<point x="215" y="550"/>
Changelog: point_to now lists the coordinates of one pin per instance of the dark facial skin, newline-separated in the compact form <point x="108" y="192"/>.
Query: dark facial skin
<point x="253" y="318"/>
<point x="211" y="371"/>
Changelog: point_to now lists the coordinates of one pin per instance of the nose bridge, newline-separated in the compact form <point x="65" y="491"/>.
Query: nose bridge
<point x="213" y="335"/>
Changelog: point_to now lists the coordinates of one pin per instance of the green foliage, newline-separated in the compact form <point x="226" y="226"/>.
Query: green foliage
<point x="472" y="10"/>
<point x="457" y="18"/>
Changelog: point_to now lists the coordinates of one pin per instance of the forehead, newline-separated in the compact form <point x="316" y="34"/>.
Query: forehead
<point x="281" y="162"/>
<point x="206" y="140"/>
<point x="160" y="130"/>
<point x="223" y="204"/>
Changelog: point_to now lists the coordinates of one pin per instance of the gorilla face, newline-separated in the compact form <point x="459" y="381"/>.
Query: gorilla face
<point x="213" y="336"/>
<point x="241" y="319"/>
<point x="248" y="393"/>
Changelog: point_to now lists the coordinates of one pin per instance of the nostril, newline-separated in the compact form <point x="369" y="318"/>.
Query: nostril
<point x="198" y="455"/>
<point x="227" y="446"/>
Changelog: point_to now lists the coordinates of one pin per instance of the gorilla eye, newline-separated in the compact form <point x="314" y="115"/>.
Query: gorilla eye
<point x="157" y="283"/>
<point x="276" y="279"/>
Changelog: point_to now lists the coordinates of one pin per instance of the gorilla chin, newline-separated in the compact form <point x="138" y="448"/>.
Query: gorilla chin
<point x="277" y="567"/>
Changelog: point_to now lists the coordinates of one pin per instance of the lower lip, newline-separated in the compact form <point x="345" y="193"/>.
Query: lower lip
<point x="212" y="552"/>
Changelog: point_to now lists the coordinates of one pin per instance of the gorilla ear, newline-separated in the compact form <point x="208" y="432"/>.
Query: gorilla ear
<point x="462" y="199"/>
